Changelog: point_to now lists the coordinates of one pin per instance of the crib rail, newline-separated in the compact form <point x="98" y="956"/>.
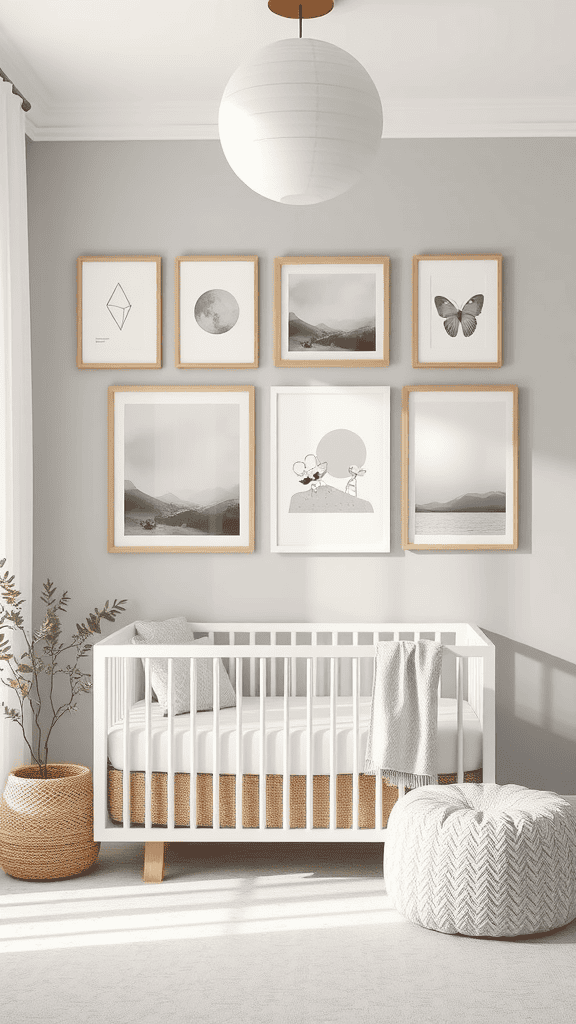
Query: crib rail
<point x="320" y="668"/>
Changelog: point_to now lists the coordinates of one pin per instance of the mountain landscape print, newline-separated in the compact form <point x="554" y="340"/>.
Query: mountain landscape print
<point x="332" y="312"/>
<point x="215" y="512"/>
<point x="182" y="470"/>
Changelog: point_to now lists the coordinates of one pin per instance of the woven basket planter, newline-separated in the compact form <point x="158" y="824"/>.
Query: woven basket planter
<point x="46" y="825"/>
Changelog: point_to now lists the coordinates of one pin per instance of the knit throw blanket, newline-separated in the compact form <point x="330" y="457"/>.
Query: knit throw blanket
<point x="403" y="734"/>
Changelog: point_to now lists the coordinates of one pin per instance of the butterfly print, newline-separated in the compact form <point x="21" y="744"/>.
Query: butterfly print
<point x="454" y="316"/>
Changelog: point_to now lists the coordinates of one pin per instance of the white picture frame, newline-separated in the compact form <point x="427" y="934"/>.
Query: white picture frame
<point x="119" y="312"/>
<point x="181" y="469"/>
<point x="332" y="311"/>
<point x="343" y="505"/>
<point x="457" y="311"/>
<point x="216" y="312"/>
<point x="459" y="467"/>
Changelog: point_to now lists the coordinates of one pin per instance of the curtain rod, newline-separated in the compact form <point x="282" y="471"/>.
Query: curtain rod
<point x="25" y="104"/>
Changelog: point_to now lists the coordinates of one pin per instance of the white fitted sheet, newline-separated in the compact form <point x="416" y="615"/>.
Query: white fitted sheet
<point x="447" y="737"/>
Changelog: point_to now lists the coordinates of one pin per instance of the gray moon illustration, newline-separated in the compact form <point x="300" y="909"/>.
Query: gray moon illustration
<point x="216" y="311"/>
<point x="341" y="448"/>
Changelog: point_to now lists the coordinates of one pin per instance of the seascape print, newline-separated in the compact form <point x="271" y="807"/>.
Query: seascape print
<point x="460" y="469"/>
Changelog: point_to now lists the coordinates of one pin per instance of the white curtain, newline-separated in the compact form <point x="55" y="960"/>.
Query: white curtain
<point x="15" y="385"/>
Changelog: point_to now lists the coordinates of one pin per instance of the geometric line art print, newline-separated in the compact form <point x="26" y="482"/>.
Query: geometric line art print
<point x="119" y="305"/>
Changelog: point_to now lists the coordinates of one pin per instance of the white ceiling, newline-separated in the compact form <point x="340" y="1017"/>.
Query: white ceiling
<point x="155" y="69"/>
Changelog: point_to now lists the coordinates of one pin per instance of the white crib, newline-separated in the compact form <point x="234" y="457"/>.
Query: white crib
<point x="302" y="701"/>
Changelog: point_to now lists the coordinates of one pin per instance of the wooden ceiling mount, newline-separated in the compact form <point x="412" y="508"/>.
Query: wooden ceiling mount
<point x="310" y="8"/>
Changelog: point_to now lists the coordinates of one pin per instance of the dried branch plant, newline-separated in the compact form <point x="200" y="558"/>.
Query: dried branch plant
<point x="33" y="675"/>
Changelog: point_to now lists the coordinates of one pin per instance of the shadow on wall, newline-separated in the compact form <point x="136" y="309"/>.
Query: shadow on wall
<point x="535" y="717"/>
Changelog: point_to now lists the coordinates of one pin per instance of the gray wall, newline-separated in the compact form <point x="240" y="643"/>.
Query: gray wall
<point x="514" y="197"/>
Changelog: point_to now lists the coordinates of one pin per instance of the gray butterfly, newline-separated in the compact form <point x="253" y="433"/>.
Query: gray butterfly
<point x="454" y="316"/>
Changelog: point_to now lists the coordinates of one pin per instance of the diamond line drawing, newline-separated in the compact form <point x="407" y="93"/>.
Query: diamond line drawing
<point x="119" y="305"/>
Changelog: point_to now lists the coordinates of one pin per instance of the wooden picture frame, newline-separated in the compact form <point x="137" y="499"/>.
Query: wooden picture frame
<point x="119" y="312"/>
<point x="216" y="315"/>
<point x="460" y="467"/>
<point x="330" y="469"/>
<point x="181" y="469"/>
<point x="457" y="312"/>
<point x="332" y="311"/>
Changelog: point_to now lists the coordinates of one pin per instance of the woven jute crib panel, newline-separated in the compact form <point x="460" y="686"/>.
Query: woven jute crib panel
<point x="250" y="799"/>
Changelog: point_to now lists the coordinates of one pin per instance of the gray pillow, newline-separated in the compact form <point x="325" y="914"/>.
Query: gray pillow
<point x="171" y="631"/>
<point x="178" y="631"/>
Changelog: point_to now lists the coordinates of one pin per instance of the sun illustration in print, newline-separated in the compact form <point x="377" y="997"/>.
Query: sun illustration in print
<point x="216" y="311"/>
<point x="340" y="455"/>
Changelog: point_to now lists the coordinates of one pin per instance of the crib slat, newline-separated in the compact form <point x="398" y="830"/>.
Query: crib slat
<point x="262" y="785"/>
<point x="334" y="642"/>
<point x="378" y="801"/>
<point x="310" y="673"/>
<point x="115" y="691"/>
<point x="114" y="687"/>
<point x="126" y="763"/>
<point x="170" y="724"/>
<point x="148" y="754"/>
<point x="459" y="721"/>
<point x="239" y="748"/>
<point x="334" y="665"/>
<point x="252" y="667"/>
<point x="273" y="683"/>
<point x="192" y="740"/>
<point x="355" y="739"/>
<point x="216" y="743"/>
<point x="108" y="694"/>
<point x="401" y="790"/>
<point x="286" y="775"/>
<point x="378" y="775"/>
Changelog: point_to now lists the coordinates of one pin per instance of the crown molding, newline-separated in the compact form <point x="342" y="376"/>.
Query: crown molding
<point x="194" y="120"/>
<point x="123" y="122"/>
<point x="403" y="119"/>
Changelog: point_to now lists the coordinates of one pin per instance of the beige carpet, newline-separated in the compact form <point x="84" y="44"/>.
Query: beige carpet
<point x="259" y="934"/>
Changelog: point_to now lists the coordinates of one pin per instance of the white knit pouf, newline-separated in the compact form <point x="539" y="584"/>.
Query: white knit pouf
<point x="482" y="859"/>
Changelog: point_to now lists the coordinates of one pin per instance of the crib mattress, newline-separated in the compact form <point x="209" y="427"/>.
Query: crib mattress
<point x="447" y="737"/>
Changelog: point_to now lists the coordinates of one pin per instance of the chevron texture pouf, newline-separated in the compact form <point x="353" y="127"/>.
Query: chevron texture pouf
<point x="482" y="859"/>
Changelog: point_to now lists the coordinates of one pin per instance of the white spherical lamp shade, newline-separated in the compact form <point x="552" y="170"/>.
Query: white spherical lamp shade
<point x="300" y="121"/>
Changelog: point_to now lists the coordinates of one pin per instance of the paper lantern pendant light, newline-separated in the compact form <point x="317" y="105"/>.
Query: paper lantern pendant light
<point x="300" y="121"/>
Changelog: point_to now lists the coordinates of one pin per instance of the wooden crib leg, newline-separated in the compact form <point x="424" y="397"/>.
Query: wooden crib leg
<point x="153" y="862"/>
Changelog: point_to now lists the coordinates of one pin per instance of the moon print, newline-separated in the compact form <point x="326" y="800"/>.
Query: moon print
<point x="216" y="311"/>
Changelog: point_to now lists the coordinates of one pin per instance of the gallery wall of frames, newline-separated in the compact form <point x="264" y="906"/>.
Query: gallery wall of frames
<point x="181" y="458"/>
